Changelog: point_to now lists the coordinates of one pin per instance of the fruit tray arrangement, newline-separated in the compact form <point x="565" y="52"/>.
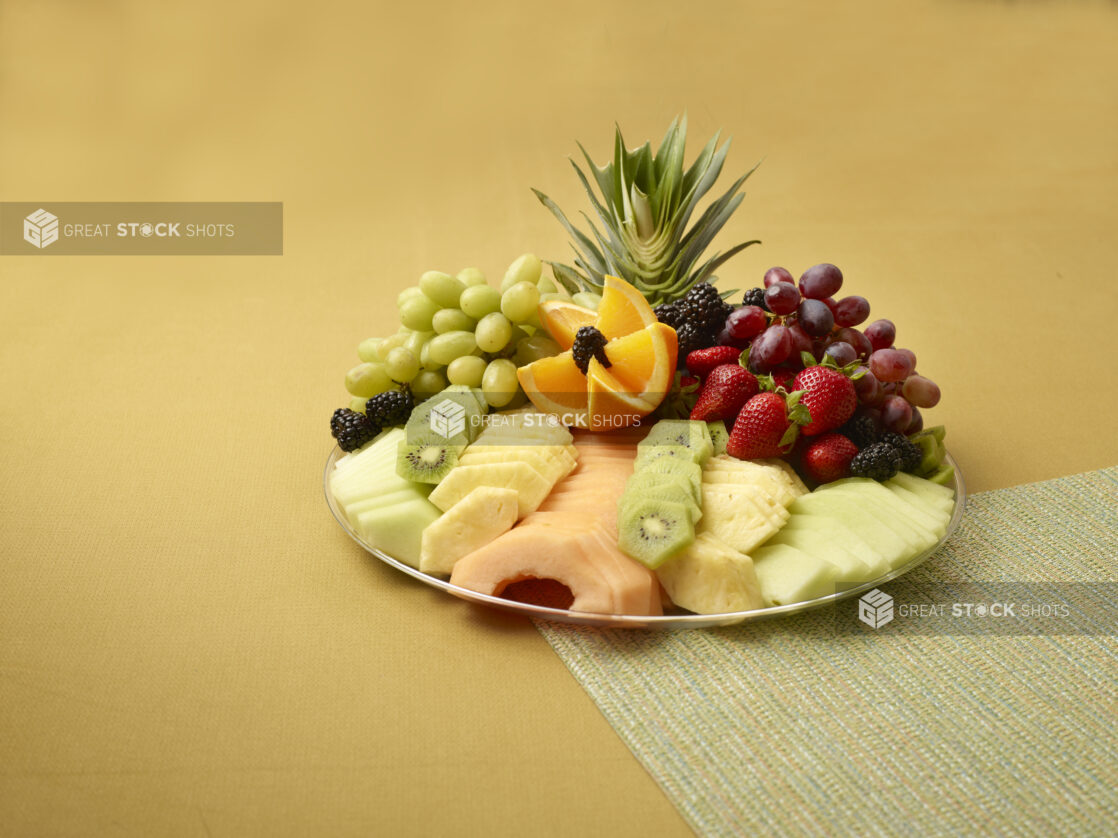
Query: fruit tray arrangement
<point x="622" y="444"/>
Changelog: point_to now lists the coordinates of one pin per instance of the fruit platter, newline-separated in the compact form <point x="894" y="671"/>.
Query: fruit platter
<point x="622" y="444"/>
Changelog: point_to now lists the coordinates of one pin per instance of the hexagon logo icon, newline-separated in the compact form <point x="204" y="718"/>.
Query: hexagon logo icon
<point x="448" y="418"/>
<point x="875" y="609"/>
<point x="40" y="228"/>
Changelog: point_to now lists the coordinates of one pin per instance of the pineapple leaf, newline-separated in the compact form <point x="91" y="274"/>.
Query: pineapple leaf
<point x="578" y="235"/>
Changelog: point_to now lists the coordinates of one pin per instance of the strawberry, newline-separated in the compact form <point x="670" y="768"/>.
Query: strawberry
<point x="727" y="388"/>
<point x="782" y="377"/>
<point x="767" y="426"/>
<point x="828" y="395"/>
<point x="702" y="361"/>
<point x="828" y="458"/>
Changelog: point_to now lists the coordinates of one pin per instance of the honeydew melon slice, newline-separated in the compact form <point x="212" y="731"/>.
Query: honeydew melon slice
<point x="382" y="498"/>
<point x="870" y="491"/>
<point x="788" y="575"/>
<point x="849" y="569"/>
<point x="898" y="540"/>
<point x="530" y="485"/>
<point x="470" y="524"/>
<point x="836" y="531"/>
<point x="710" y="577"/>
<point x="936" y="507"/>
<point x="932" y="492"/>
<point x="398" y="529"/>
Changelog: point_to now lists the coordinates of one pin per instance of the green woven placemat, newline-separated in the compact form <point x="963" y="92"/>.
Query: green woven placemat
<point x="791" y="726"/>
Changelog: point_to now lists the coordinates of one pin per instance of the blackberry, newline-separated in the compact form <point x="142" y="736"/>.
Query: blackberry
<point x="692" y="336"/>
<point x="877" y="461"/>
<point x="392" y="407"/>
<point x="351" y="429"/>
<point x="703" y="306"/>
<point x="910" y="452"/>
<point x="589" y="343"/>
<point x="668" y="314"/>
<point x="755" y="297"/>
<point x="861" y="429"/>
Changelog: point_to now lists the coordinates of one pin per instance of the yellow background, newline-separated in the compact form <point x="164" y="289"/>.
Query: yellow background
<point x="188" y="643"/>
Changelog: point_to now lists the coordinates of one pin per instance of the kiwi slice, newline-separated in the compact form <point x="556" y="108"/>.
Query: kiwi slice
<point x="650" y="479"/>
<point x="652" y="531"/>
<point x="693" y="472"/>
<point x="690" y="434"/>
<point x="426" y="460"/>
<point x="648" y="453"/>
<point x="719" y="436"/>
<point x="420" y="428"/>
<point x="660" y="487"/>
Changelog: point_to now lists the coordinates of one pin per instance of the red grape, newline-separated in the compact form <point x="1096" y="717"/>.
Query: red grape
<point x="772" y="346"/>
<point x="921" y="391"/>
<point x="801" y="340"/>
<point x="881" y="333"/>
<point x="908" y="353"/>
<point x="896" y="414"/>
<point x="842" y="352"/>
<point x="746" y="322"/>
<point x="816" y="318"/>
<point x="917" y="423"/>
<point x="775" y="275"/>
<point x="856" y="339"/>
<point x="890" y="365"/>
<point x="867" y="387"/>
<point x="726" y="339"/>
<point x="782" y="298"/>
<point x="850" y="311"/>
<point x="821" y="281"/>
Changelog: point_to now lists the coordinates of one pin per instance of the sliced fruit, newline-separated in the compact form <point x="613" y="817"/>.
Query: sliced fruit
<point x="719" y="436"/>
<point x="741" y="518"/>
<point x="398" y="529"/>
<point x="849" y="568"/>
<point x="426" y="460"/>
<point x="710" y="577"/>
<point x="530" y="485"/>
<point x="623" y="309"/>
<point x="652" y="531"/>
<point x="690" y="434"/>
<point x="563" y="318"/>
<point x="470" y="524"/>
<point x="788" y="575"/>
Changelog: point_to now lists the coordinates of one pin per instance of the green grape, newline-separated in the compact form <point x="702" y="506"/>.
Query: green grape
<point x="519" y="399"/>
<point x="493" y="332"/>
<point x="442" y="288"/>
<point x="366" y="380"/>
<point x="519" y="302"/>
<point x="499" y="383"/>
<point x="545" y="297"/>
<point x="416" y="313"/>
<point x="390" y="343"/>
<point x="367" y="350"/>
<point x="471" y="277"/>
<point x="480" y="300"/>
<point x="587" y="299"/>
<point x="467" y="370"/>
<point x="416" y="340"/>
<point x="357" y="404"/>
<point x="533" y="348"/>
<point x="445" y="348"/>
<point x="452" y="320"/>
<point x="547" y="286"/>
<point x="425" y="361"/>
<point x="402" y="366"/>
<point x="526" y="268"/>
<point x="407" y="294"/>
<point x="426" y="383"/>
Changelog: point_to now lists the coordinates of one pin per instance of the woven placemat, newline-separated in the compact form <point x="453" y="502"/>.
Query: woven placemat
<point x="796" y="726"/>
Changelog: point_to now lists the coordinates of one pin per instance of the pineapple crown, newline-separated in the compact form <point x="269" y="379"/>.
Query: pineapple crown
<point x="647" y="200"/>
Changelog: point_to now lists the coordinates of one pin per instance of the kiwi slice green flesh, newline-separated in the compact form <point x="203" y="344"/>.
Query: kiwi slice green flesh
<point x="426" y="460"/>
<point x="652" y="531"/>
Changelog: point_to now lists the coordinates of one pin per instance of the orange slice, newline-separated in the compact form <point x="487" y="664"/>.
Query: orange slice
<point x="563" y="319"/>
<point x="623" y="309"/>
<point x="642" y="352"/>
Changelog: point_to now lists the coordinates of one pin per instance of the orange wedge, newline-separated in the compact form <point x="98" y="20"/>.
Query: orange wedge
<point x="623" y="310"/>
<point x="642" y="354"/>
<point x="563" y="319"/>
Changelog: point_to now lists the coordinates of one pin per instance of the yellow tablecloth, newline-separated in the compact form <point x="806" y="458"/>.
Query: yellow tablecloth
<point x="188" y="643"/>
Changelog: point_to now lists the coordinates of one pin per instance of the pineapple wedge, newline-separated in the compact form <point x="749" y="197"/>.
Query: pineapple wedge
<point x="470" y="524"/>
<point x="531" y="487"/>
<point x="710" y="577"/>
<point x="741" y="516"/>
